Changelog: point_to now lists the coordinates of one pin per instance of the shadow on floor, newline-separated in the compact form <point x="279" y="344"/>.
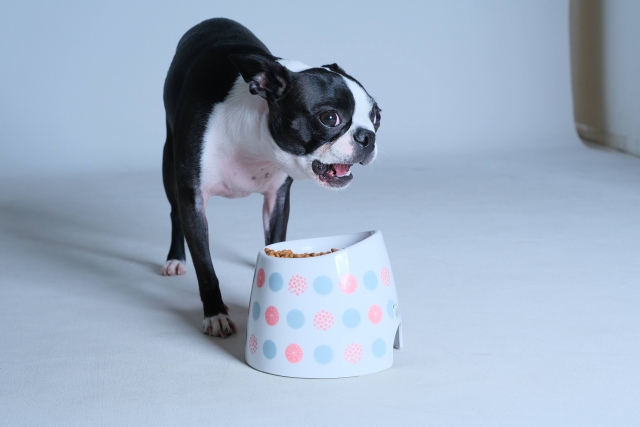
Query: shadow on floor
<point x="90" y="246"/>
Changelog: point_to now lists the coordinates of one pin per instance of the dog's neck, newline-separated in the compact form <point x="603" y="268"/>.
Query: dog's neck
<point x="246" y="123"/>
<point x="239" y="154"/>
<point x="240" y="126"/>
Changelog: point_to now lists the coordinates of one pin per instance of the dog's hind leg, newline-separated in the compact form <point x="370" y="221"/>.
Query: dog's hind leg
<point x="176" y="259"/>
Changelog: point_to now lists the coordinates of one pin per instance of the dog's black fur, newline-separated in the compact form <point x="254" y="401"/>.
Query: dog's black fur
<point x="194" y="84"/>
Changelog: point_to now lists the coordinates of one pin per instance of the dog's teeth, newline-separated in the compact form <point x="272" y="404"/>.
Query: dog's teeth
<point x="342" y="170"/>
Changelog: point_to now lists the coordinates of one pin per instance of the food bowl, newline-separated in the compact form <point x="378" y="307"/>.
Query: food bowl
<point x="329" y="316"/>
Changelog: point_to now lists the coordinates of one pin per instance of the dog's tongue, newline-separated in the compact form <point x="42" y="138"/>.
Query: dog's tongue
<point x="341" y="170"/>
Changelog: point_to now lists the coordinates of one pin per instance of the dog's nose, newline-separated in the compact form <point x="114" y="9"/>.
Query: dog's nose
<point x="365" y="137"/>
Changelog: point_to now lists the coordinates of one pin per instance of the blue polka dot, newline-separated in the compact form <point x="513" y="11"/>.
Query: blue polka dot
<point x="392" y="313"/>
<point x="269" y="349"/>
<point x="378" y="348"/>
<point x="351" y="318"/>
<point x="255" y="310"/>
<point x="322" y="285"/>
<point x="275" y="282"/>
<point x="323" y="354"/>
<point x="370" y="280"/>
<point x="295" y="319"/>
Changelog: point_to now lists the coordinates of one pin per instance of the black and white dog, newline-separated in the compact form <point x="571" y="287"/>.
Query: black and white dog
<point x="306" y="122"/>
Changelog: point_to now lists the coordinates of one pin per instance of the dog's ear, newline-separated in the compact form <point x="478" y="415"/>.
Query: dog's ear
<point x="266" y="77"/>
<point x="335" y="68"/>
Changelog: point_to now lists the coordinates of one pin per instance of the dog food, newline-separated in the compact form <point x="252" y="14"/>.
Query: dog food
<point x="288" y="253"/>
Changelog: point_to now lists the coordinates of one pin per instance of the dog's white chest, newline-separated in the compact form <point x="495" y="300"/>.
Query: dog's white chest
<point x="229" y="175"/>
<point x="237" y="155"/>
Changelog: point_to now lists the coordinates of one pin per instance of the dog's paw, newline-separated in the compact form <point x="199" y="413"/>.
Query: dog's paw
<point x="174" y="267"/>
<point x="219" y="326"/>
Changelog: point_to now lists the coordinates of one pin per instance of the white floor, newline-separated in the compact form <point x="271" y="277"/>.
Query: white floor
<point x="518" y="275"/>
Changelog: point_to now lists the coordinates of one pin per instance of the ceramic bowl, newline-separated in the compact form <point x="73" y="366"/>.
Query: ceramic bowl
<point x="330" y="316"/>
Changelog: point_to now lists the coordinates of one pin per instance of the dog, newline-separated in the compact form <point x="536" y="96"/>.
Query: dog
<point x="241" y="121"/>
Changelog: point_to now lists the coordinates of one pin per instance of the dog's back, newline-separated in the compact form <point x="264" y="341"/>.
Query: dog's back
<point x="201" y="71"/>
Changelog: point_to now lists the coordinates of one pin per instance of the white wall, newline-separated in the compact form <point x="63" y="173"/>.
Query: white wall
<point x="81" y="86"/>
<point x="605" y="39"/>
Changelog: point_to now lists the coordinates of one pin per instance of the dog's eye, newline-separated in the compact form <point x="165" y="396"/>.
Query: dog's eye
<point x="330" y="119"/>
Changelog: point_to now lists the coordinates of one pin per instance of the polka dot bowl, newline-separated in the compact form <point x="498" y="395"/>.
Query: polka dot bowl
<point x="330" y="316"/>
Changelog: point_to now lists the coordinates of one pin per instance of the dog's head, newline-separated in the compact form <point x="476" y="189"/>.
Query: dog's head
<point x="322" y="120"/>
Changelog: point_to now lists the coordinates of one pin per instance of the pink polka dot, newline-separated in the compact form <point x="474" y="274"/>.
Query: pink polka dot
<point x="348" y="284"/>
<point x="271" y="315"/>
<point x="260" y="279"/>
<point x="297" y="285"/>
<point x="253" y="344"/>
<point x="353" y="353"/>
<point x="294" y="353"/>
<point x="375" y="314"/>
<point x="385" y="276"/>
<point x="323" y="320"/>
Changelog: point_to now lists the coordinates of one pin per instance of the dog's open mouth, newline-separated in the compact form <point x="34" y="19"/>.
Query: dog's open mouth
<point x="335" y="175"/>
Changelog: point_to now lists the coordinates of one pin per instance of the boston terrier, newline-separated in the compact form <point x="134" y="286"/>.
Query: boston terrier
<point x="223" y="140"/>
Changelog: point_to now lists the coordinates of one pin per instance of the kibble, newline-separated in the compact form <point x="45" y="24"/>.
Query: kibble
<point x="288" y="253"/>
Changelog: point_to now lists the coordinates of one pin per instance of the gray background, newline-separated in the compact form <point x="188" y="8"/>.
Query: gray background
<point x="81" y="86"/>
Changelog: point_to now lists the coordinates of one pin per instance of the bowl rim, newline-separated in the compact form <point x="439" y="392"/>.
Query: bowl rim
<point x="367" y="235"/>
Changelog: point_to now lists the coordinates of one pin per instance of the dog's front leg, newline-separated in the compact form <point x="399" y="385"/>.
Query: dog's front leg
<point x="194" y="222"/>
<point x="275" y="213"/>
